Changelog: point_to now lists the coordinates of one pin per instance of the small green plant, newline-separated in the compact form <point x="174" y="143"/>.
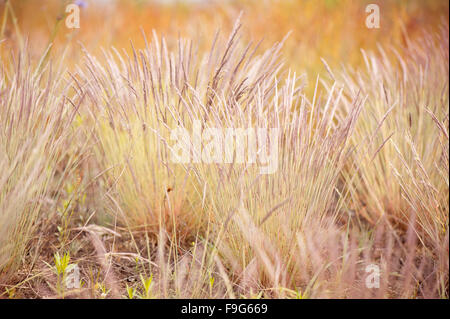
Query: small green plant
<point x="61" y="267"/>
<point x="300" y="295"/>
<point x="101" y="288"/>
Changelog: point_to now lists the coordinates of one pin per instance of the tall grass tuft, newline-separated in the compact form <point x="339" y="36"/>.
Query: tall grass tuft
<point x="362" y="176"/>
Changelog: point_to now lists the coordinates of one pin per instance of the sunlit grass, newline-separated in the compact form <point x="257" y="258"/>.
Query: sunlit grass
<point x="362" y="175"/>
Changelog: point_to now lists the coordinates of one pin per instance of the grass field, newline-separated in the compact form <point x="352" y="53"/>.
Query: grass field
<point x="93" y="203"/>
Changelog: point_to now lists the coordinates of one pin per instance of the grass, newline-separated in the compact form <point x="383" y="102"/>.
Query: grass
<point x="362" y="175"/>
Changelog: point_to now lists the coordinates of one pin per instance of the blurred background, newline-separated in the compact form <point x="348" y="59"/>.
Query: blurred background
<point x="332" y="29"/>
